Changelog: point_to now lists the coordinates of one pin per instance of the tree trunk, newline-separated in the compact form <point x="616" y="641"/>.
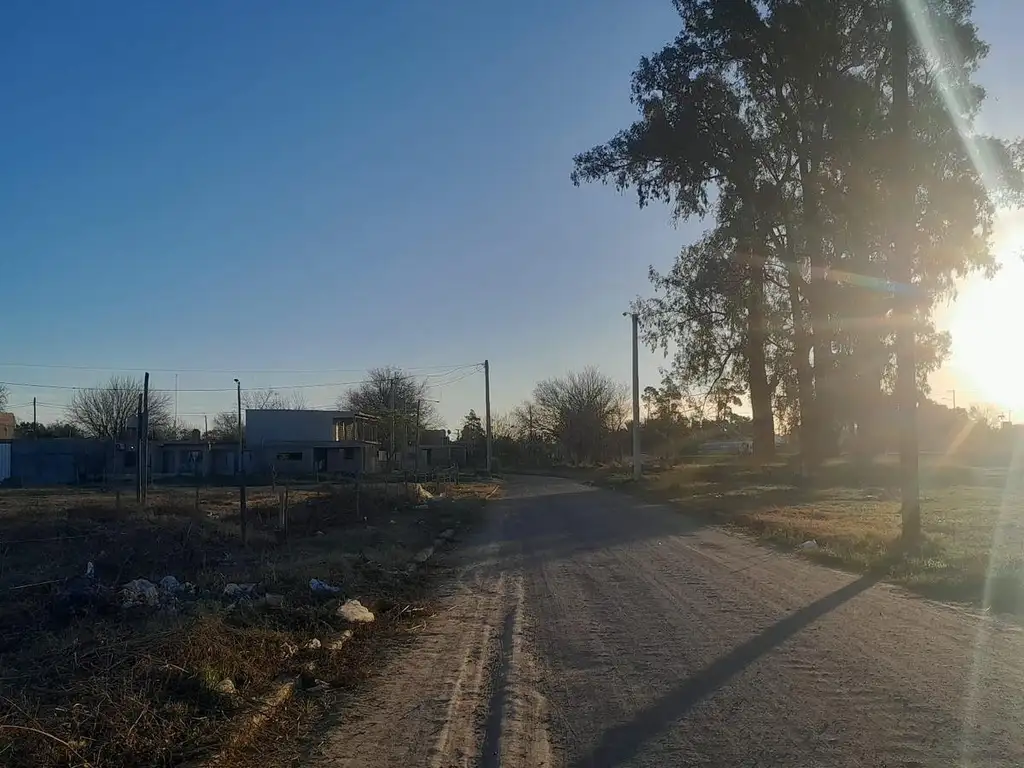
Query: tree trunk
<point x="802" y="364"/>
<point x="760" y="391"/>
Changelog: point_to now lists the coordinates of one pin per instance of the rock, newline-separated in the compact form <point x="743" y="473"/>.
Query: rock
<point x="312" y="645"/>
<point x="423" y="555"/>
<point x="809" y="546"/>
<point x="355" y="612"/>
<point x="448" y="534"/>
<point x="171" y="585"/>
<point x="227" y="687"/>
<point x="240" y="591"/>
<point x="140" y="592"/>
<point x="273" y="601"/>
<point x="318" y="587"/>
<point x="339" y="643"/>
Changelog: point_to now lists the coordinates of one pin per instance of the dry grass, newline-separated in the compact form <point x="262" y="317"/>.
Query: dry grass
<point x="103" y="686"/>
<point x="973" y="546"/>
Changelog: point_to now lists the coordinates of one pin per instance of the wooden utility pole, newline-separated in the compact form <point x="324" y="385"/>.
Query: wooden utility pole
<point x="487" y="410"/>
<point x="35" y="423"/>
<point x="419" y="408"/>
<point x="904" y="209"/>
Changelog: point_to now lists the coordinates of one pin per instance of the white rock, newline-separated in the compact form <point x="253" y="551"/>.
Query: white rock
<point x="355" y="612"/>
<point x="809" y="545"/>
<point x="227" y="687"/>
<point x="312" y="645"/>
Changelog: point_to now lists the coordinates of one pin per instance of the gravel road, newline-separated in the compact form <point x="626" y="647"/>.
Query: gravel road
<point x="586" y="628"/>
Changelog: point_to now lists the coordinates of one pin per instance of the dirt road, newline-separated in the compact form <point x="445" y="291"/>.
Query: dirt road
<point x="586" y="628"/>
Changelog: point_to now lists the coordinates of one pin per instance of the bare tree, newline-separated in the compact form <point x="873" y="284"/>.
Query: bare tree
<point x="581" y="411"/>
<point x="5" y="396"/>
<point x="224" y="427"/>
<point x="272" y="399"/>
<point x="106" y="411"/>
<point x="389" y="393"/>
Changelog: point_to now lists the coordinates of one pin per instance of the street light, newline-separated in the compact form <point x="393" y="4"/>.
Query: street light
<point x="241" y="465"/>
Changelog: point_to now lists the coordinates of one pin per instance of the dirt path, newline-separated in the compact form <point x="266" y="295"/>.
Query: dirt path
<point x="586" y="628"/>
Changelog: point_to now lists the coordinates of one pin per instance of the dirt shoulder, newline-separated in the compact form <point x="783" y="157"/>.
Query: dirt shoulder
<point x="115" y="664"/>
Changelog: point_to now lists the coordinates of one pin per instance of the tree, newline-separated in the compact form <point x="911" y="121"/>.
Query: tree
<point x="224" y="427"/>
<point x="53" y="429"/>
<point x="271" y="399"/>
<point x="581" y="411"/>
<point x="107" y="410"/>
<point x="393" y="396"/>
<point x="5" y="396"/>
<point x="777" y="118"/>
<point x="472" y="432"/>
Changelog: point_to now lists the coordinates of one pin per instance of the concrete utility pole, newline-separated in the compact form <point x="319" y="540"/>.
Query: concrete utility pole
<point x="419" y="407"/>
<point x="906" y="304"/>
<point x="138" y="451"/>
<point x="145" y="438"/>
<point x="391" y="438"/>
<point x="637" y="459"/>
<point x="35" y="423"/>
<point x="487" y="410"/>
<point x="242" y="517"/>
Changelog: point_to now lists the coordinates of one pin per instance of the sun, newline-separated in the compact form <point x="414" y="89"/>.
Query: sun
<point x="986" y="319"/>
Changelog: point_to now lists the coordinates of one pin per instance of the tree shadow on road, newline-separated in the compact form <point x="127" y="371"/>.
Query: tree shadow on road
<point x="623" y="742"/>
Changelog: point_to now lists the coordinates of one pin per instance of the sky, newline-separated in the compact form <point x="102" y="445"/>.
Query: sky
<point x="293" y="193"/>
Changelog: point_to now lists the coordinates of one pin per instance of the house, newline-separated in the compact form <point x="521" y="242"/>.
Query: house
<point x="296" y="442"/>
<point x="7" y="425"/>
<point x="435" y="450"/>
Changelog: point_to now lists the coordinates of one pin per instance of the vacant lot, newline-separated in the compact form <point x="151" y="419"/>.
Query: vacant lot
<point x="972" y="518"/>
<point x="89" y="679"/>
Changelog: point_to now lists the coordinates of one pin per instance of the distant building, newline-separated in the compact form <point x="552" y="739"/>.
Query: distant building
<point x="310" y="441"/>
<point x="7" y="425"/>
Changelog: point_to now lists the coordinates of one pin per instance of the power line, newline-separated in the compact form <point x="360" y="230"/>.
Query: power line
<point x="115" y="369"/>
<point x="75" y="388"/>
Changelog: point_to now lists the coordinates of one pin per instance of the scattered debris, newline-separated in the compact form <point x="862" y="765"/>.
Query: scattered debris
<point x="289" y="649"/>
<point x="140" y="592"/>
<point x="809" y="546"/>
<point x="240" y="591"/>
<point x="318" y="587"/>
<point x="422" y="506"/>
<point x="423" y="555"/>
<point x="355" y="612"/>
<point x="447" y="534"/>
<point x="338" y="644"/>
<point x="171" y="585"/>
<point x="312" y="645"/>
<point x="227" y="687"/>
<point x="271" y="600"/>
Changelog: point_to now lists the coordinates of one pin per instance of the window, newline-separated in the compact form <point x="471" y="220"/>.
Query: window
<point x="291" y="456"/>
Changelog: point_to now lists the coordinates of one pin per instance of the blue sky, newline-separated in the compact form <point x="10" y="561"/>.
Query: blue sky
<point x="314" y="188"/>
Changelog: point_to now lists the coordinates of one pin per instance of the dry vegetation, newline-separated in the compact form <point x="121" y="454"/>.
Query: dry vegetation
<point x="91" y="683"/>
<point x="973" y="547"/>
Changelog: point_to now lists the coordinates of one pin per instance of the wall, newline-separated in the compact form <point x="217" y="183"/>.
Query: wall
<point x="266" y="426"/>
<point x="60" y="461"/>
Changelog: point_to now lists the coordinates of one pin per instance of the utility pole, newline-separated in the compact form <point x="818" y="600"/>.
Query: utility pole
<point x="953" y="393"/>
<point x="145" y="438"/>
<point x="243" y="522"/>
<point x="391" y="438"/>
<point x="487" y="410"/>
<point x="35" y="423"/>
<point x="906" y="304"/>
<point x="419" y="407"/>
<point x="138" y="451"/>
<point x="637" y="459"/>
